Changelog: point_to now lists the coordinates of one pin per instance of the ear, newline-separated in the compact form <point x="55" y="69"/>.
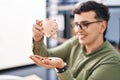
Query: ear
<point x="103" y="26"/>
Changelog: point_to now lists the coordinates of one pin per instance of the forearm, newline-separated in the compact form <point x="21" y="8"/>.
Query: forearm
<point x="39" y="48"/>
<point x="62" y="51"/>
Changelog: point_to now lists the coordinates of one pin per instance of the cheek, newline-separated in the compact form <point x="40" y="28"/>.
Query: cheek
<point x="76" y="29"/>
<point x="93" y="33"/>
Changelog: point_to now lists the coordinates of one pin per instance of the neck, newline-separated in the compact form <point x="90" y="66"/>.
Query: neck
<point x="93" y="46"/>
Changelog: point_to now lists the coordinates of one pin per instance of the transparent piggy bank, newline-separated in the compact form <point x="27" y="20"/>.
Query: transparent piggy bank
<point x="50" y="28"/>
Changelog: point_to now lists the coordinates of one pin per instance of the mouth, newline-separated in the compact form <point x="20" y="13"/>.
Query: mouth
<point x="82" y="36"/>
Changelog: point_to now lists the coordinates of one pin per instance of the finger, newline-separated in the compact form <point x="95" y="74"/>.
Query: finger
<point x="37" y="27"/>
<point x="46" y="61"/>
<point x="37" y="56"/>
<point x="49" y="67"/>
<point x="34" y="58"/>
<point x="48" y="64"/>
<point x="41" y="58"/>
<point x="57" y="62"/>
<point x="39" y="22"/>
<point x="37" y="61"/>
<point x="37" y="32"/>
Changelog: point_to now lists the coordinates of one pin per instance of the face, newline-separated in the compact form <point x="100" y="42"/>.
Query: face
<point x="91" y="29"/>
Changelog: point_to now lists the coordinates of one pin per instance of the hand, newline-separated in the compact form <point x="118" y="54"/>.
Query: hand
<point x="48" y="62"/>
<point x="37" y="30"/>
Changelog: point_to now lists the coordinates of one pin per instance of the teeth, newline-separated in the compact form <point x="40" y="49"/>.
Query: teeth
<point x="81" y="36"/>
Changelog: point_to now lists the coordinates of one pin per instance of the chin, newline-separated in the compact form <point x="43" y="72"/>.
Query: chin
<point x="82" y="42"/>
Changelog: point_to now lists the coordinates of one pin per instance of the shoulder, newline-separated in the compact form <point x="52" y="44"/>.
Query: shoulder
<point x="110" y="53"/>
<point x="109" y="67"/>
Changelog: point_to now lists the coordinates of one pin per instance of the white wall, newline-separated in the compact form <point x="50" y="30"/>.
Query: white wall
<point x="16" y="20"/>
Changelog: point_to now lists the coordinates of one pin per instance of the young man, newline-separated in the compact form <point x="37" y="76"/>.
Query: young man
<point x="88" y="55"/>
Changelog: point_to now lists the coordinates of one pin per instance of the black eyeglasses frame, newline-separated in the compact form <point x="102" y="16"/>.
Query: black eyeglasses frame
<point x="84" y="25"/>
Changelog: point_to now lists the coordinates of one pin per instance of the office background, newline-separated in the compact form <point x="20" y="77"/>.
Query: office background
<point x="60" y="10"/>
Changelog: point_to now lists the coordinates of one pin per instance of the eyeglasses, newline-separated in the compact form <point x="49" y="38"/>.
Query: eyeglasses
<point x="83" y="25"/>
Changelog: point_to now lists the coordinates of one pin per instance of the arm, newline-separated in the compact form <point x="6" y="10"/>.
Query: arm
<point x="53" y="62"/>
<point x="38" y="45"/>
<point x="61" y="51"/>
<point x="40" y="49"/>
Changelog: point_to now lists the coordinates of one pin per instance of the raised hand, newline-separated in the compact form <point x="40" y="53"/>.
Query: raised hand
<point x="37" y="30"/>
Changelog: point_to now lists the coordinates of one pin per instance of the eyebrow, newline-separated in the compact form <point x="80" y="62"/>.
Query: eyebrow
<point x="83" y="21"/>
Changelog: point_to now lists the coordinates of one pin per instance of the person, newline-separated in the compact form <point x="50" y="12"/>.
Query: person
<point x="86" y="56"/>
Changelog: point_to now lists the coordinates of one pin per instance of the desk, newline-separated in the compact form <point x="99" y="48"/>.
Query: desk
<point x="10" y="77"/>
<point x="30" y="70"/>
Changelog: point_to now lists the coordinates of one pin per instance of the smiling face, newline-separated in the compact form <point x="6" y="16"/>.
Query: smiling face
<point x="91" y="33"/>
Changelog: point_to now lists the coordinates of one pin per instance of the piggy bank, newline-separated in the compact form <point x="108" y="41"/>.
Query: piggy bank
<point x="50" y="28"/>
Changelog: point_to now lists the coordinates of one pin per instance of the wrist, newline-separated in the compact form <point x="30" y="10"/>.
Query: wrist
<point x="60" y="70"/>
<point x="37" y="38"/>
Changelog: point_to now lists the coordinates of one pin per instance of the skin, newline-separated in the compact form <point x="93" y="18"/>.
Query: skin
<point x="49" y="62"/>
<point x="91" y="38"/>
<point x="37" y="30"/>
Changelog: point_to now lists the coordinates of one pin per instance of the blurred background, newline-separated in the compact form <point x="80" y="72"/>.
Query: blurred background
<point x="16" y="20"/>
